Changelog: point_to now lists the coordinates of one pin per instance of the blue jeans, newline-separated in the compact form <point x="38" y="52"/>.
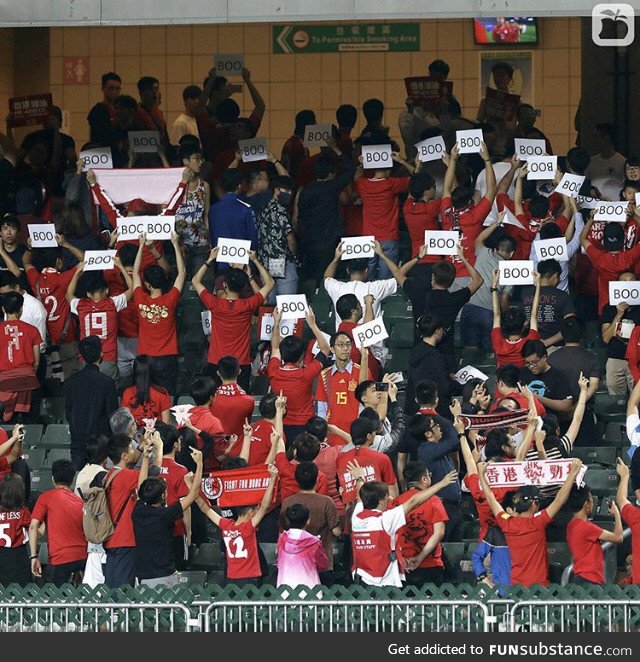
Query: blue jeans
<point x="288" y="284"/>
<point x="378" y="270"/>
<point x="475" y="327"/>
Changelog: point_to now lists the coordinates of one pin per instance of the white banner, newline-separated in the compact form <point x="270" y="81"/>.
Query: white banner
<point x="253" y="150"/>
<point x="233" y="251"/>
<point x="431" y="149"/>
<point x="144" y="142"/>
<point x="43" y="235"/>
<point x="365" y="335"/>
<point x="637" y="199"/>
<point x="98" y="157"/>
<point x="157" y="228"/>
<point x="205" y="316"/>
<point x="547" y="249"/>
<point x="516" y="272"/>
<point x="469" y="141"/>
<point x="542" y="167"/>
<point x="376" y="157"/>
<point x="357" y="247"/>
<point x="611" y="211"/>
<point x="441" y="242"/>
<point x="469" y="372"/>
<point x="624" y="291"/>
<point x="316" y="135"/>
<point x="527" y="148"/>
<point x="98" y="260"/>
<point x="228" y="65"/>
<point x="292" y="306"/>
<point x="156" y="186"/>
<point x="287" y="327"/>
<point x="536" y="472"/>
<point x="569" y="185"/>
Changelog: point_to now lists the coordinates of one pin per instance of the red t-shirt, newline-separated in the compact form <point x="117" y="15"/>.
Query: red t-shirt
<point x="230" y="326"/>
<point x="356" y="355"/>
<point x="609" y="266"/>
<point x="231" y="405"/>
<point x="420" y="216"/>
<point x="173" y="474"/>
<point x="293" y="154"/>
<point x="14" y="527"/>
<point x="413" y="536"/>
<point x="17" y="340"/>
<point x="296" y="383"/>
<point x="287" y="474"/>
<point x="468" y="221"/>
<point x="128" y="322"/>
<point x="157" y="322"/>
<point x="485" y="514"/>
<point x="241" y="546"/>
<point x="583" y="538"/>
<point x="380" y="207"/>
<point x="631" y="516"/>
<point x="50" y="287"/>
<point x="159" y="401"/>
<point x="260" y="441"/>
<point x="100" y="318"/>
<point x="510" y="351"/>
<point x="337" y="389"/>
<point x="326" y="461"/>
<point x="121" y="496"/>
<point x="202" y="418"/>
<point x="528" y="547"/>
<point x="377" y="466"/>
<point x="61" y="510"/>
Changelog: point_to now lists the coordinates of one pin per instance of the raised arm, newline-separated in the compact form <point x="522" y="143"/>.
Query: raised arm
<point x="525" y="445"/>
<point x="137" y="264"/>
<point x="496" y="508"/>
<point x="194" y="488"/>
<point x="623" y="485"/>
<point x="117" y="263"/>
<point x="258" y="102"/>
<point x="322" y="341"/>
<point x="267" y="281"/>
<point x="450" y="175"/>
<point x="268" y="495"/>
<point x="614" y="536"/>
<point x="73" y="283"/>
<point x="178" y="283"/>
<point x="579" y="409"/>
<point x="495" y="300"/>
<point x="330" y="271"/>
<point x="481" y="239"/>
<point x="467" y="455"/>
<point x="584" y="241"/>
<point x="76" y="252"/>
<point x="424" y="495"/>
<point x="399" y="273"/>
<point x="8" y="261"/>
<point x="199" y="275"/>
<point x="517" y="196"/>
<point x="476" y="279"/>
<point x="535" y="306"/>
<point x="275" y="336"/>
<point x="505" y="183"/>
<point x="490" y="195"/>
<point x="247" y="433"/>
<point x="563" y="493"/>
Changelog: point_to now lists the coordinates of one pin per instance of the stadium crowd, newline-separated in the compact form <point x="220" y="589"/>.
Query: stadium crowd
<point x="300" y="436"/>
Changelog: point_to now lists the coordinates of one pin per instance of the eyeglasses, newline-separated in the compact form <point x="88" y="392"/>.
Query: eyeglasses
<point x="533" y="364"/>
<point x="434" y="426"/>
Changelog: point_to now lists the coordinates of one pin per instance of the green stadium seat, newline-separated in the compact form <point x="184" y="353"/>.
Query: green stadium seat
<point x="32" y="434"/>
<point x="398" y="361"/>
<point x="52" y="410"/>
<point x="559" y="558"/>
<point x="43" y="553"/>
<point x="209" y="557"/>
<point x="616" y="434"/>
<point x="401" y="335"/>
<point x="601" y="481"/>
<point x="41" y="481"/>
<point x="57" y="454"/>
<point x="35" y="457"/>
<point x="259" y="385"/>
<point x="596" y="454"/>
<point x="56" y="435"/>
<point x="269" y="549"/>
<point x="609" y="408"/>
<point x="192" y="578"/>
<point x="186" y="400"/>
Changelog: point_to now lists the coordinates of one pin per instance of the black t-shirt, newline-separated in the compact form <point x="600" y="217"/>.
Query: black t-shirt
<point x="153" y="529"/>
<point x="618" y="346"/>
<point x="571" y="361"/>
<point x="16" y="255"/>
<point x="555" y="305"/>
<point x="7" y="187"/>
<point x="551" y="384"/>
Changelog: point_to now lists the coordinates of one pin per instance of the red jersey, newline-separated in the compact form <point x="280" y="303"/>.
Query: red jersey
<point x="631" y="516"/>
<point x="17" y="340"/>
<point x="173" y="475"/>
<point x="510" y="351"/>
<point x="121" y="496"/>
<point x="296" y="383"/>
<point x="413" y="536"/>
<point x="159" y="401"/>
<point x="61" y="510"/>
<point x="609" y="266"/>
<point x="50" y="287"/>
<point x="293" y="154"/>
<point x="583" y="538"/>
<point x="287" y="474"/>
<point x="420" y="216"/>
<point x="356" y="356"/>
<point x="231" y="405"/>
<point x="14" y="527"/>
<point x="631" y="231"/>
<point x="377" y="466"/>
<point x="337" y="388"/>
<point x="527" y="543"/>
<point x="326" y="461"/>
<point x="241" y="546"/>
<point x="260" y="441"/>
<point x="157" y="322"/>
<point x="485" y="514"/>
<point x="100" y="318"/>
<point x="128" y="322"/>
<point x="230" y="326"/>
<point x="204" y="420"/>
<point x="380" y="207"/>
<point x="5" y="467"/>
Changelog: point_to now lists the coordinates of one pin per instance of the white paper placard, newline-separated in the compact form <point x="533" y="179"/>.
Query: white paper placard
<point x="611" y="211"/>
<point x="469" y="141"/>
<point x="98" y="260"/>
<point x="637" y="199"/>
<point x="570" y="185"/>
<point x="287" y="327"/>
<point x="357" y="247"/>
<point x="292" y="306"/>
<point x="431" y="149"/>
<point x="376" y="157"/>
<point x="316" y="348"/>
<point x="316" y="135"/>
<point x="516" y="272"/>
<point x="228" y="65"/>
<point x="157" y="228"/>
<point x="441" y="242"/>
<point x="551" y="249"/>
<point x="585" y="202"/>
<point x="181" y="413"/>
<point x="542" y="167"/>
<point x="527" y="148"/>
<point x="365" y="335"/>
<point x="144" y="142"/>
<point x="98" y="157"/>
<point x="233" y="251"/>
<point x="253" y="150"/>
<point x="205" y="316"/>
<point x="469" y="372"/>
<point x="43" y="235"/>
<point x="624" y="291"/>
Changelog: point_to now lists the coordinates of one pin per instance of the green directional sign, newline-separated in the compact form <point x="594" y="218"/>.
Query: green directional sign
<point x="345" y="37"/>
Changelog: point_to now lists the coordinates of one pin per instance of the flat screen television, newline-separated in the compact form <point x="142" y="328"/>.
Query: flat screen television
<point x="505" y="30"/>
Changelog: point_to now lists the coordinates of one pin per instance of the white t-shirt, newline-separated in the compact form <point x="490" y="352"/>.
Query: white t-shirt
<point x="34" y="313"/>
<point x="184" y="125"/>
<point x="633" y="429"/>
<point x="500" y="169"/>
<point x="607" y="175"/>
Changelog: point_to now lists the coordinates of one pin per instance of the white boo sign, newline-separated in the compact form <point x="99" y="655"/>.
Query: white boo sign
<point x="157" y="228"/>
<point x="370" y="333"/>
<point x="516" y="272"/>
<point x="287" y="327"/>
<point x="469" y="372"/>
<point x="570" y="185"/>
<point x="292" y="306"/>
<point x="144" y="141"/>
<point x="228" y="65"/>
<point x="316" y="135"/>
<point x="441" y="242"/>
<point x="547" y="249"/>
<point x="253" y="150"/>
<point x="357" y="247"/>
<point x="431" y="149"/>
<point x="98" y="260"/>
<point x="376" y="157"/>
<point x="611" y="211"/>
<point x="624" y="291"/>
<point x="542" y="167"/>
<point x="233" y="251"/>
<point x="469" y="141"/>
<point x="527" y="148"/>
<point x="43" y="235"/>
<point x="98" y="157"/>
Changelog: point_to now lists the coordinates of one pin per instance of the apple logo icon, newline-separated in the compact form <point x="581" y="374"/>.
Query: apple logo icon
<point x="612" y="24"/>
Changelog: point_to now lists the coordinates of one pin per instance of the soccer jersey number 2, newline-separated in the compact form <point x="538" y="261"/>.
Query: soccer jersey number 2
<point x="95" y="324"/>
<point x="235" y="548"/>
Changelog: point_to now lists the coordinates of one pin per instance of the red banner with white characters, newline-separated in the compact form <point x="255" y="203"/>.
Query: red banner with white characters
<point x="536" y="472"/>
<point x="238" y="487"/>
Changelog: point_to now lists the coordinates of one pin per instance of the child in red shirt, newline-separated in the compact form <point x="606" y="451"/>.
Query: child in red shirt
<point x="14" y="522"/>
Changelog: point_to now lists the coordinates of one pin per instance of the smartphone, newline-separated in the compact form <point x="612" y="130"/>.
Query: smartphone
<point x="382" y="386"/>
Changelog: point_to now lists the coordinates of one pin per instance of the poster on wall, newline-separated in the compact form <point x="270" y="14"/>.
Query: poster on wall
<point x="522" y="63"/>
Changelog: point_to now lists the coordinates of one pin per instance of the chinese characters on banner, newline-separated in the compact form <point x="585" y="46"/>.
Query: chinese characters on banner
<point x="30" y="110"/>
<point x="500" y="105"/>
<point x="428" y="92"/>
<point x="238" y="487"/>
<point x="536" y="472"/>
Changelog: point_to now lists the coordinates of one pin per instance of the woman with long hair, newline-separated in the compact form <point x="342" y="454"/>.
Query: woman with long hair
<point x="15" y="518"/>
<point x="72" y="225"/>
<point x="144" y="399"/>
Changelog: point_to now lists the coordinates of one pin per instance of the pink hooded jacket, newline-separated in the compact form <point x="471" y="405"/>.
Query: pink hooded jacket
<point x="300" y="558"/>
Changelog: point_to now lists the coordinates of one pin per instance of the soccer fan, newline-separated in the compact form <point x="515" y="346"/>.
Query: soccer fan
<point x="103" y="113"/>
<point x="305" y="448"/>
<point x="9" y="233"/>
<point x="144" y="399"/>
<point x="185" y="124"/>
<point x="33" y="312"/>
<point x="630" y="516"/>
<point x="202" y="390"/>
<point x="271" y="408"/>
<point x="606" y="170"/>
<point x="15" y="519"/>
<point x="349" y="311"/>
<point x="148" y="114"/>
<point x="293" y="151"/>
<point x="382" y="408"/>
